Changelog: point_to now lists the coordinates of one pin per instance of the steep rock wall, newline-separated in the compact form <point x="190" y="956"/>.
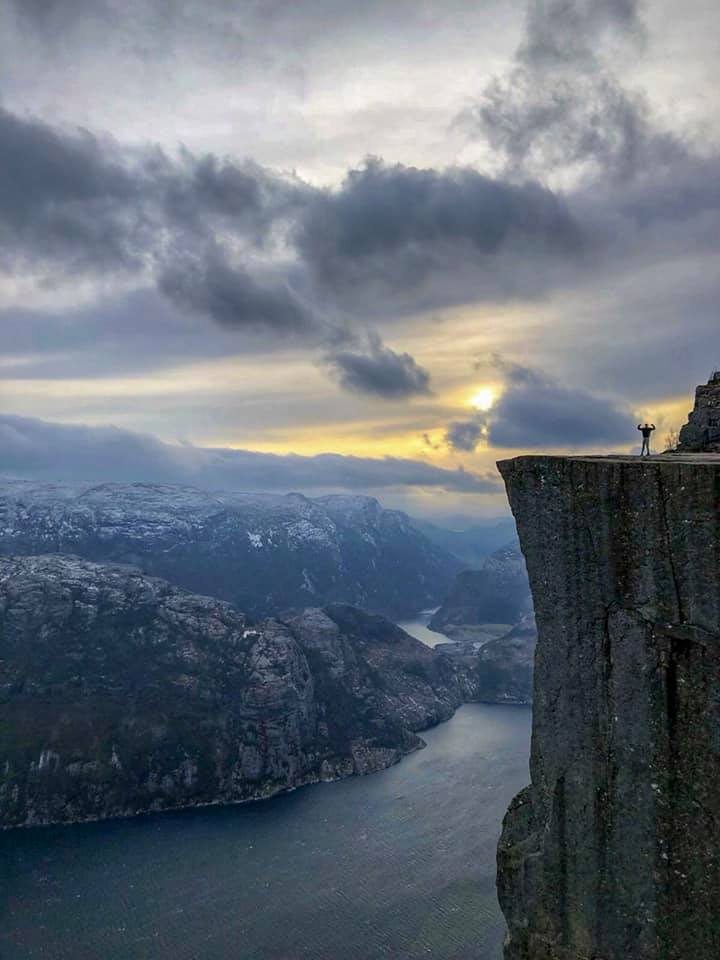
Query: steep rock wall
<point x="613" y="851"/>
<point x="120" y="693"/>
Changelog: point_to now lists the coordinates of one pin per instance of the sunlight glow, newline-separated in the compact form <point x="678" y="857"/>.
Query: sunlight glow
<point x="483" y="398"/>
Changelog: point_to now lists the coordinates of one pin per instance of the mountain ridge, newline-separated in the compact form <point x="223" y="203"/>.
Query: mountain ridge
<point x="261" y="552"/>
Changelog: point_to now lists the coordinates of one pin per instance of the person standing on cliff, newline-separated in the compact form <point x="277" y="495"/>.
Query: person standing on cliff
<point x="646" y="429"/>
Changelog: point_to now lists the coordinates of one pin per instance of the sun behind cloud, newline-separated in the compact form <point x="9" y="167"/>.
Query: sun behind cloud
<point x="483" y="398"/>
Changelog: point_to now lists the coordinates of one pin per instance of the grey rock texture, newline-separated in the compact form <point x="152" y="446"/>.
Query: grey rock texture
<point x="261" y="552"/>
<point x="499" y="593"/>
<point x="702" y="431"/>
<point x="502" y="667"/>
<point x="505" y="665"/>
<point x="120" y="693"/>
<point x="613" y="851"/>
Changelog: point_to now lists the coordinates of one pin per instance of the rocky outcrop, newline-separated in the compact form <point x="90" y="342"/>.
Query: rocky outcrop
<point x="702" y="431"/>
<point x="120" y="693"/>
<point x="505" y="665"/>
<point x="501" y="668"/>
<point x="499" y="593"/>
<point x="263" y="553"/>
<point x="613" y="851"/>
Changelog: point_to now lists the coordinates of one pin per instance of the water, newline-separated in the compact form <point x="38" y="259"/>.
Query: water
<point x="419" y="629"/>
<point x="400" y="865"/>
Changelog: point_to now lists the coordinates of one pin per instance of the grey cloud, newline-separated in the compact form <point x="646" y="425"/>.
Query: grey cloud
<point x="194" y="225"/>
<point x="379" y="371"/>
<point x="126" y="333"/>
<point x="560" y="105"/>
<point x="569" y="31"/>
<point x="392" y="240"/>
<point x="465" y="434"/>
<point x="232" y="297"/>
<point x="536" y="411"/>
<point x="77" y="200"/>
<point x="63" y="198"/>
<point x="45" y="450"/>
<point x="543" y="413"/>
<point x="70" y="202"/>
<point x="393" y="226"/>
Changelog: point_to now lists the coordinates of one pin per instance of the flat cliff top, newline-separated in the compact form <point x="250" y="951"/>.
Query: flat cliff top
<point x="693" y="458"/>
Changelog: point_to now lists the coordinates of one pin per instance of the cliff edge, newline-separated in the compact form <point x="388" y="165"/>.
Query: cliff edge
<point x="613" y="851"/>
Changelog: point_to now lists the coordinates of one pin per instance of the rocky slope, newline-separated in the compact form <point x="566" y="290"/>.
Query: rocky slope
<point x="499" y="593"/>
<point x="502" y="668"/>
<point x="263" y="553"/>
<point x="120" y="693"/>
<point x="613" y="851"/>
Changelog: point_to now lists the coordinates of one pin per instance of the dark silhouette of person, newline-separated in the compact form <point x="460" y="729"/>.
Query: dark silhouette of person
<point x="646" y="430"/>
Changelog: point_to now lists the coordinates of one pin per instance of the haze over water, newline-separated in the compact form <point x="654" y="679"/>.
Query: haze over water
<point x="399" y="864"/>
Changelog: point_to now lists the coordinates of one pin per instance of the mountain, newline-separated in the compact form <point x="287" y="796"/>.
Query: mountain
<point x="120" y="693"/>
<point x="498" y="594"/>
<point x="501" y="668"/>
<point x="263" y="553"/>
<point x="473" y="543"/>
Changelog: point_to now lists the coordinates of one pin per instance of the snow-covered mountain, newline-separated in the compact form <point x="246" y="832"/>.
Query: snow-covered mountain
<point x="264" y="553"/>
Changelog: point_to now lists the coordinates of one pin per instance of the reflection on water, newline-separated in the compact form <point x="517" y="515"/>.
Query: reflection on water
<point x="400" y="864"/>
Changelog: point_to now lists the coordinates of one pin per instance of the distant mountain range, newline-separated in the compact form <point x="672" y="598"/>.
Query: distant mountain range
<point x="473" y="544"/>
<point x="263" y="553"/>
<point x="161" y="646"/>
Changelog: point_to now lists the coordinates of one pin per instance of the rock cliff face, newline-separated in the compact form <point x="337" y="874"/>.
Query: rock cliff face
<point x="702" y="431"/>
<point x="120" y="693"/>
<point x="613" y="851"/>
<point x="263" y="553"/>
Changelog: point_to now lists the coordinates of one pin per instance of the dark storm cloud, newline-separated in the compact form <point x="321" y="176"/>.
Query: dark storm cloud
<point x="210" y="234"/>
<point x="379" y="371"/>
<point x="232" y="297"/>
<point x="70" y="202"/>
<point x="64" y="199"/>
<point x="40" y="449"/>
<point x="536" y="411"/>
<point x="393" y="226"/>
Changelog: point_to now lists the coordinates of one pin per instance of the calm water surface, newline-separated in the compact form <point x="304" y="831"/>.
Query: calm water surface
<point x="400" y="865"/>
<point x="419" y="628"/>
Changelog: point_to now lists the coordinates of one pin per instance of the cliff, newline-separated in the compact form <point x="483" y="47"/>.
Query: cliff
<point x="261" y="552"/>
<point x="613" y="851"/>
<point x="120" y="693"/>
<point x="702" y="431"/>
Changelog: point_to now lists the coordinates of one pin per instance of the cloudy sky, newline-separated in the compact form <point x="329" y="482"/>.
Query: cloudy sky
<point x="313" y="245"/>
